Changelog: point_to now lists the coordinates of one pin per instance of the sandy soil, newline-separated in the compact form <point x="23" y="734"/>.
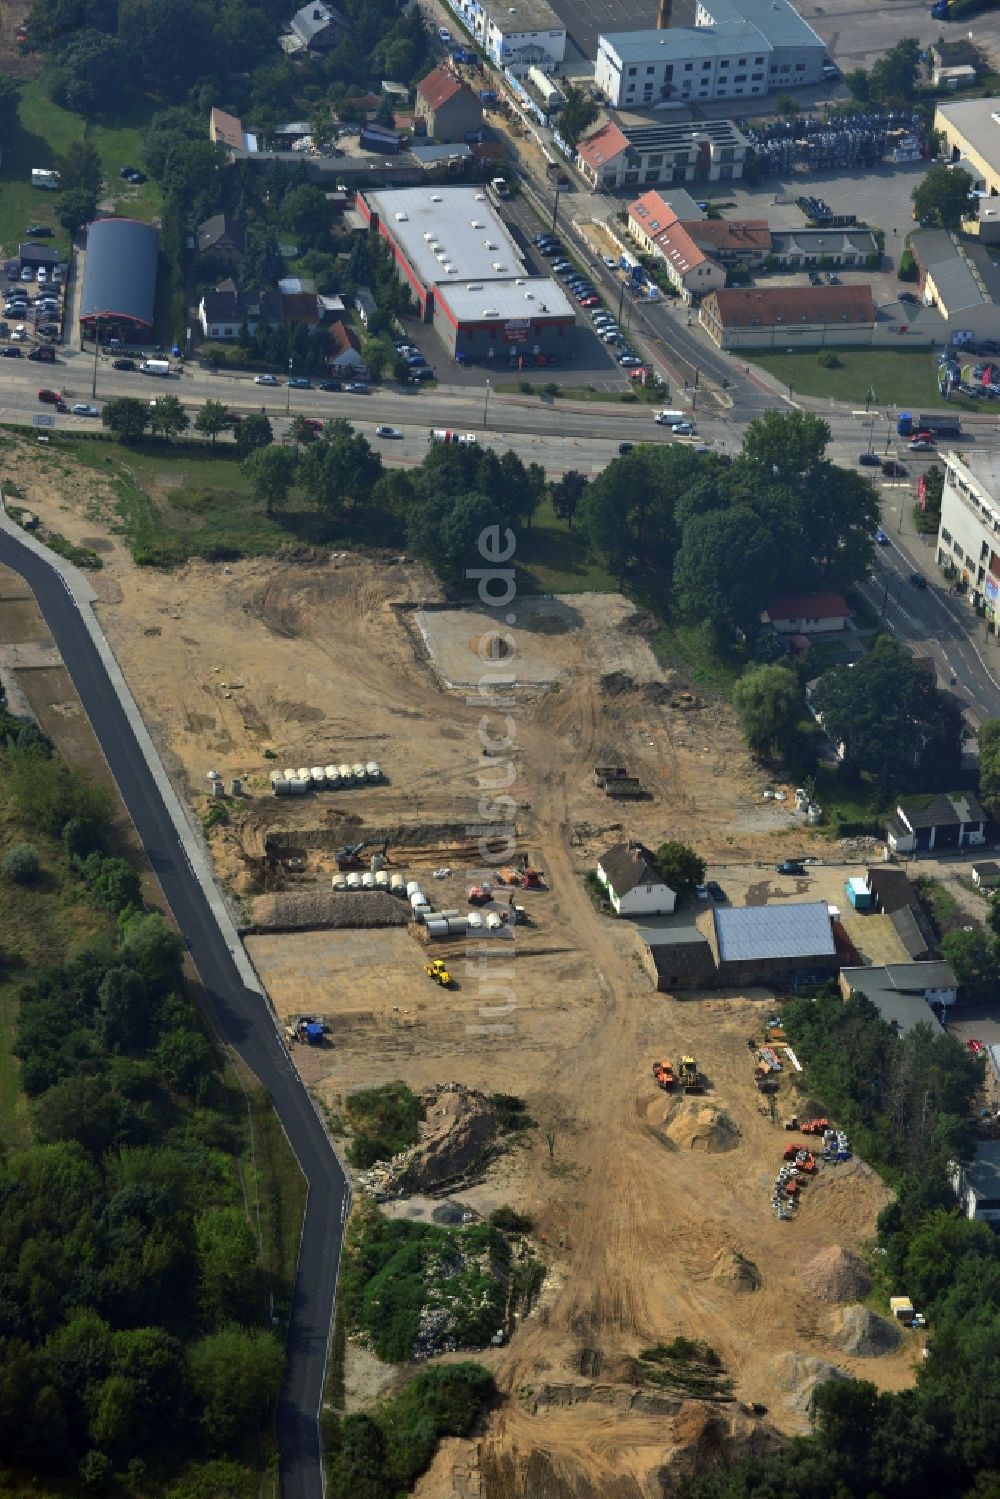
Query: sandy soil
<point x="321" y="666"/>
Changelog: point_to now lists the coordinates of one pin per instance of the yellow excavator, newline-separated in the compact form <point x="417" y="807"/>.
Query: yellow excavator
<point x="438" y="972"/>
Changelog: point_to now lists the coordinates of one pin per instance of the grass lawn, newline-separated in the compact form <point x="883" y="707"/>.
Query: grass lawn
<point x="46" y="131"/>
<point x="898" y="377"/>
<point x="553" y="559"/>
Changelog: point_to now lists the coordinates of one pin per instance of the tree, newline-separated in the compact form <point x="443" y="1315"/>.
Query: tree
<point x="859" y="84"/>
<point x="236" y="1375"/>
<point x="192" y="172"/>
<point x="943" y="198"/>
<point x="113" y="882"/>
<point x="80" y="167"/>
<point x="228" y="1267"/>
<point x="304" y="209"/>
<point x="989" y="766"/>
<point x="153" y="949"/>
<point x="629" y="511"/>
<point x="766" y="699"/>
<point x="126" y="418"/>
<point x="890" y="718"/>
<point x="122" y="1010"/>
<point x="10" y="98"/>
<point x="680" y="867"/>
<point x="726" y="572"/>
<point x="254" y="431"/>
<point x="567" y="493"/>
<point x="21" y="864"/>
<point x="167" y="417"/>
<point x="212" y="419"/>
<point x="893" y="77"/>
<point x="82" y="67"/>
<point x="376" y="353"/>
<point x="338" y="468"/>
<point x="577" y="115"/>
<point x="973" y="956"/>
<point x="271" y="472"/>
<point x="785" y="445"/>
<point x="77" y="206"/>
<point x="445" y="531"/>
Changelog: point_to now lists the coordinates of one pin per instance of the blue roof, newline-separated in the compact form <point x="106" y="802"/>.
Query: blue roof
<point x="119" y="273"/>
<point x="801" y="929"/>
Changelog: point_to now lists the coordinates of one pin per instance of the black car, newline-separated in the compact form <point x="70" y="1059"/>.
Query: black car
<point x="715" y="890"/>
<point x="908" y="296"/>
<point x="869" y="460"/>
<point x="330" y="385"/>
<point x="918" y="580"/>
<point x="38" y="231"/>
<point x="123" y="364"/>
<point x="791" y="866"/>
<point x="10" y="353"/>
<point x="625" y="447"/>
<point x="815" y="279"/>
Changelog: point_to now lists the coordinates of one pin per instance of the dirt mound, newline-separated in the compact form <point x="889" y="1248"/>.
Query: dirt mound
<point x="863" y="1333"/>
<point x="735" y="1270"/>
<point x="836" y="1274"/>
<point x="641" y="622"/>
<point x="614" y="683"/>
<point x="703" y="1126"/>
<point x="302" y="911"/>
<point x="458" y="1127"/>
<point x="798" y="1375"/>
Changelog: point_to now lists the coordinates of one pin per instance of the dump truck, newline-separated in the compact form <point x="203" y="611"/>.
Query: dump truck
<point x="690" y="1078"/>
<point x="663" y="1075"/>
<point x="438" y="972"/>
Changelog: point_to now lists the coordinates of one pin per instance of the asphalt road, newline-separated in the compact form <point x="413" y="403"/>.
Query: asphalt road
<point x="241" y="1016"/>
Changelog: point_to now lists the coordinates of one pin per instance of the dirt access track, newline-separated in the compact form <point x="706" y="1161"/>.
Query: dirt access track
<point x="317" y="660"/>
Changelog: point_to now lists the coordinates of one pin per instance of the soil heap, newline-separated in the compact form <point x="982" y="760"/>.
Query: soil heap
<point x="735" y="1270"/>
<point x="863" y="1333"/>
<point x="458" y="1128"/>
<point x="703" y="1126"/>
<point x="798" y="1375"/>
<point x="836" y="1274"/>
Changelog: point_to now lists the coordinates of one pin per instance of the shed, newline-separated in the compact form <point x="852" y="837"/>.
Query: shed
<point x="119" y="279"/>
<point x="677" y="957"/>
<point x="986" y="876"/>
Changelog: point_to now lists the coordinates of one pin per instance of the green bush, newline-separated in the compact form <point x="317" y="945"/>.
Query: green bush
<point x="21" y="864"/>
<point x="385" y="1121"/>
<point x="829" y="360"/>
<point x="907" y="266"/>
<point x="509" y="1221"/>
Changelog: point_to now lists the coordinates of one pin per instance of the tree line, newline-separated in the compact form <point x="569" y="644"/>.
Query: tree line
<point x="133" y="1306"/>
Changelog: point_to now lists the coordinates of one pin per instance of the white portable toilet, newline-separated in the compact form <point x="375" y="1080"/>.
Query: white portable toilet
<point x="332" y="775"/>
<point x="318" y="776"/>
<point x="340" y="881"/>
<point x="303" y="774"/>
<point x="373" y="770"/>
<point x="358" y="771"/>
<point x="382" y="879"/>
<point x="397" y="884"/>
<point x="345" y="775"/>
<point x="354" y="881"/>
<point x="475" y="921"/>
<point x="412" y="887"/>
<point x="368" y="881"/>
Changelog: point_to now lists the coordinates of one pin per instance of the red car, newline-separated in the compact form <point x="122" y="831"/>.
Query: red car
<point x="975" y="1047"/>
<point x="590" y="301"/>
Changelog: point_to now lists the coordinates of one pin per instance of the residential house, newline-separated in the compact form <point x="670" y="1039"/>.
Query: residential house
<point x="317" y="27"/>
<point x="221" y="312"/>
<point x="947" y="820"/>
<point x="448" y="108"/>
<point x="977" y="1185"/>
<point x="228" y="131"/>
<point x="689" y="269"/>
<point x="903" y="993"/>
<point x="345" y="356"/>
<point x="223" y="238"/>
<point x="789" y="317"/>
<point x="986" y="876"/>
<point x="781" y="946"/>
<point x="634" y="884"/>
<point x="808" y="613"/>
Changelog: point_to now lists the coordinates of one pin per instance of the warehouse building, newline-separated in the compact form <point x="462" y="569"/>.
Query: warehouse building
<point x="970" y="134"/>
<point x="781" y="946"/>
<point x="119" y="280"/>
<point x="736" y="48"/>
<point x="467" y="275"/>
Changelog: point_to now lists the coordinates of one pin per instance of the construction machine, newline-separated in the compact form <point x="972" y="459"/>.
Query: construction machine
<point x="691" y="1079"/>
<point x="349" y="857"/>
<point x="663" y="1075"/>
<point x="438" y="972"/>
<point x="306" y="1028"/>
<point x="814" y="1126"/>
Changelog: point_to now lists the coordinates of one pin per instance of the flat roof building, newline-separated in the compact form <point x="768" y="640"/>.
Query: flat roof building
<point x="970" y="133"/>
<point x="468" y="276"/>
<point x="119" y="279"/>
<point x="635" y="156"/>
<point x="515" y="36"/>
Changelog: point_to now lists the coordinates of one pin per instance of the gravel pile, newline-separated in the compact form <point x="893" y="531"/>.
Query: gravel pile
<point x="836" y="1274"/>
<point x="797" y="1375"/>
<point x="299" y="911"/>
<point x="864" y="1334"/>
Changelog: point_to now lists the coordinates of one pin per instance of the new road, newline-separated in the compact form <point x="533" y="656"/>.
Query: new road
<point x="241" y="1015"/>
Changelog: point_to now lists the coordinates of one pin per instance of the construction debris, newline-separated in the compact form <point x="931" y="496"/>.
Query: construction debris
<point x="458" y="1128"/>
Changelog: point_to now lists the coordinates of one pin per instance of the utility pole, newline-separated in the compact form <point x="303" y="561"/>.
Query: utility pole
<point x="486" y="404"/>
<point x="97" y="345"/>
<point x="288" y="390"/>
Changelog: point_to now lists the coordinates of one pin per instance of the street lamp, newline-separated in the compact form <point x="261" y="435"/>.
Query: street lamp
<point x="97" y="345"/>
<point x="555" y="208"/>
<point x="486" y="404"/>
<point x="288" y="390"/>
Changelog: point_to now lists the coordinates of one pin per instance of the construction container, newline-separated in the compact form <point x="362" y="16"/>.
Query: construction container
<point x="237" y="786"/>
<point x="303" y="773"/>
<point x="354" y="882"/>
<point x="422" y="911"/>
<point x="378" y="862"/>
<point x="297" y="786"/>
<point x="276" y="775"/>
<point x="279" y="785"/>
<point x="858" y="893"/>
<point x="291" y="773"/>
<point x="373" y="770"/>
<point x="437" y="927"/>
<point x="901" y="1308"/>
<point x="358" y="771"/>
<point x="368" y="881"/>
<point x="397" y="884"/>
<point x="381" y="879"/>
<point x="218" y="788"/>
<point x="448" y="915"/>
<point x="412" y="886"/>
<point x="457" y="926"/>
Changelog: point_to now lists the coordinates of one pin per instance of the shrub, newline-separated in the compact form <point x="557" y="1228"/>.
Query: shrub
<point x="829" y="360"/>
<point x="22" y="864"/>
<point x="385" y="1121"/>
<point x="509" y="1221"/>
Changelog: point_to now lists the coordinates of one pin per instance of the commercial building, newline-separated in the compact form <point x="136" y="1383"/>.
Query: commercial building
<point x="634" y="884"/>
<point x="802" y="317"/>
<point x="515" y="36"/>
<point x="970" y="134"/>
<point x="960" y="280"/>
<point x="695" y="253"/>
<point x="450" y="111"/>
<point x="806" y="248"/>
<point x="903" y="993"/>
<point x="467" y="275"/>
<point x="119" y="280"/>
<point x="968" y="545"/>
<point x="736" y="48"/>
<point x="647" y="155"/>
<point x="977" y="1185"/>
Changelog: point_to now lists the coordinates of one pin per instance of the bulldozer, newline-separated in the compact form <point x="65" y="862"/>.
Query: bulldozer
<point x="438" y="972"/>
<point x="691" y="1079"/>
<point x="663" y="1075"/>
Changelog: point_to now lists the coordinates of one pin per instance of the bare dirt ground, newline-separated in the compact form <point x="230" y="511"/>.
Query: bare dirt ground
<point x="308" y="658"/>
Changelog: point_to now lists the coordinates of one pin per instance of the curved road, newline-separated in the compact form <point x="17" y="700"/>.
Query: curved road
<point x="242" y="1016"/>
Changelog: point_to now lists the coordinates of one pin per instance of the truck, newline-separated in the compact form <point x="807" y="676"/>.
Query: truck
<point x="155" y="367"/>
<point x="439" y="436"/>
<point x="670" y="418"/>
<point x="908" y="425"/>
<point x="43" y="355"/>
<point x="41" y="177"/>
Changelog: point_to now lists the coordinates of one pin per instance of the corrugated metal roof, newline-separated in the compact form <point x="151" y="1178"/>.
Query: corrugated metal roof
<point x="119" y="274"/>
<point x="798" y="930"/>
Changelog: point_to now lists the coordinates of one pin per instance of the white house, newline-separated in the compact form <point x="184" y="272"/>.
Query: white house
<point x="634" y="885"/>
<point x="977" y="1186"/>
<point x="808" y="613"/>
<point x="345" y="355"/>
<point x="936" y="821"/>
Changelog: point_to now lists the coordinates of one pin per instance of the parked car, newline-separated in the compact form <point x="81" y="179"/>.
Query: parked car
<point x="894" y="470"/>
<point x="39" y="231"/>
<point x="390" y="433"/>
<point x="123" y="364"/>
<point x="629" y="361"/>
<point x="715" y="890"/>
<point x="908" y="296"/>
<point x="974" y="1046"/>
<point x="43" y="275"/>
<point x="10" y="353"/>
<point x="329" y="385"/>
<point x="591" y="299"/>
<point x="815" y="279"/>
<point x="422" y="372"/>
<point x="49" y="397"/>
<point x="27" y="273"/>
<point x="47" y="330"/>
<point x="300" y="382"/>
<point x="791" y="866"/>
<point x="832" y="279"/>
<point x="82" y="409"/>
<point x="610" y="262"/>
<point x="265" y="380"/>
<point x="869" y="460"/>
<point x="356" y="388"/>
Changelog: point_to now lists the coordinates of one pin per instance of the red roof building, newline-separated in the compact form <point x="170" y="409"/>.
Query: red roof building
<point x="808" y="613"/>
<point x="449" y="109"/>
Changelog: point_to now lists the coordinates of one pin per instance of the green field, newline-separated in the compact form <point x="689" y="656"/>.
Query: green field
<point x="553" y="559"/>
<point x="903" y="378"/>
<point x="46" y="131"/>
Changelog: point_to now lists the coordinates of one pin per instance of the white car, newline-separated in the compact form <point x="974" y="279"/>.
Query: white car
<point x="43" y="275"/>
<point x="19" y="334"/>
<point x="264" y="380"/>
<point x="388" y="432"/>
<point x="610" y="262"/>
<point x="82" y="409"/>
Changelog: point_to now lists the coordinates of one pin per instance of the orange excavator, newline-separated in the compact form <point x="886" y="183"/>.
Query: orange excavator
<point x="802" y="1160"/>
<point x="527" y="879"/>
<point x="814" y="1126"/>
<point x="663" y="1075"/>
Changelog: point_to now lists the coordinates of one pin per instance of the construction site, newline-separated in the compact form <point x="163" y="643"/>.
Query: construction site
<point x="658" y="1174"/>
